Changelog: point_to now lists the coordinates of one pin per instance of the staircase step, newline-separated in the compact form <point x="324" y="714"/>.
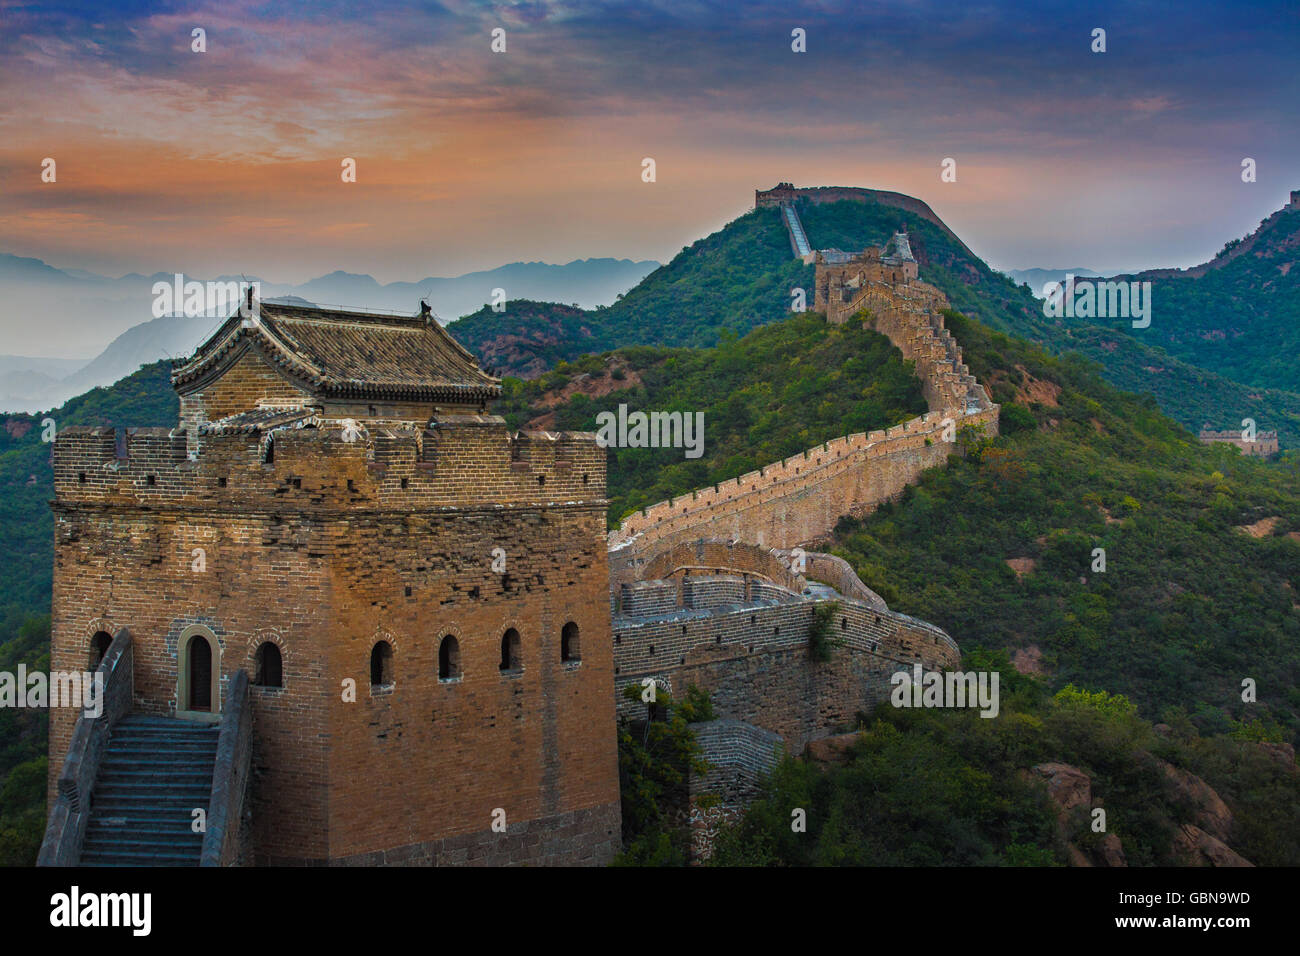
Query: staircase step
<point x="141" y="818"/>
<point x="150" y="736"/>
<point x="156" y="771"/>
<point x="133" y="840"/>
<point x="141" y="860"/>
<point x="113" y="778"/>
<point x="157" y="826"/>
<point x="133" y="749"/>
<point x="159" y="796"/>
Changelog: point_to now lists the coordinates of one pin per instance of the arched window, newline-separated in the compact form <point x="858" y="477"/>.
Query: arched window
<point x="448" y="658"/>
<point x="570" y="650"/>
<point x="269" y="666"/>
<point x="381" y="664"/>
<point x="510" y="651"/>
<point x="99" y="645"/>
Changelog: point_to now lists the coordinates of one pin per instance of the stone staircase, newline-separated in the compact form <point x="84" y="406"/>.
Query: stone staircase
<point x="155" y="772"/>
<point x="797" y="236"/>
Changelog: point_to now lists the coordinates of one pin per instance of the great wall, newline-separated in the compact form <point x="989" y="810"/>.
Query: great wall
<point x="713" y="588"/>
<point x="332" y="505"/>
<point x="798" y="501"/>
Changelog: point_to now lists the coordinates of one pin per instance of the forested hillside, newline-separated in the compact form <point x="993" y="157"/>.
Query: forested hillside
<point x="742" y="276"/>
<point x="778" y="390"/>
<point x="26" y="572"/>
<point x="997" y="548"/>
<point x="1239" y="314"/>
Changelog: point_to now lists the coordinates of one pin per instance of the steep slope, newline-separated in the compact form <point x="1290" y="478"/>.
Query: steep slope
<point x="999" y="547"/>
<point x="776" y="391"/>
<point x="738" y="278"/>
<point x="742" y="276"/>
<point x="1189" y="602"/>
<point x="945" y="787"/>
<point x="1239" y="314"/>
<point x="527" y="338"/>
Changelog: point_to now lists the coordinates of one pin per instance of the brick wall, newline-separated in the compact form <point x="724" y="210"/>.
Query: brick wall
<point x="663" y="560"/>
<point x="798" y="501"/>
<point x="754" y="661"/>
<point x="248" y="381"/>
<point x="326" y="549"/>
<point x="1265" y="443"/>
<point x="738" y="755"/>
<point x="648" y="599"/>
<point x="708" y="591"/>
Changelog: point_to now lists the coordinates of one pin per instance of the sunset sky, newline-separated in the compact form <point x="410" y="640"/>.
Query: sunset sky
<point x="228" y="161"/>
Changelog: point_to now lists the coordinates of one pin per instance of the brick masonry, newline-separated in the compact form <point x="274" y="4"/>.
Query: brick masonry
<point x="327" y="547"/>
<point x="1265" y="443"/>
<point x="752" y="655"/>
<point x="798" y="501"/>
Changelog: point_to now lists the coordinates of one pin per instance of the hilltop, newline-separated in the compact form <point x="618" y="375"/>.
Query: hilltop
<point x="1238" y="314"/>
<point x="741" y="277"/>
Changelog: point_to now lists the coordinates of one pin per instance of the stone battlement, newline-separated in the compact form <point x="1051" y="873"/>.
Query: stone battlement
<point x="1265" y="443"/>
<point x="746" y="640"/>
<point x="331" y="464"/>
<point x="778" y="505"/>
<point x="798" y="500"/>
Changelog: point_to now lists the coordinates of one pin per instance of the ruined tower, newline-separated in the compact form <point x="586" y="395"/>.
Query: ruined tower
<point x="417" y="596"/>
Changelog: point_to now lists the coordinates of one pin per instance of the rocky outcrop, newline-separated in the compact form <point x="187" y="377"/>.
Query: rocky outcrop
<point x="1194" y="847"/>
<point x="1071" y="790"/>
<point x="1212" y="814"/>
<point x="1202" y="843"/>
<point x="1284" y="754"/>
<point x="1069" y="786"/>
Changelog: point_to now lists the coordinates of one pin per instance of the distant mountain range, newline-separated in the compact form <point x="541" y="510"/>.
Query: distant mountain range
<point x="116" y="315"/>
<point x="1037" y="278"/>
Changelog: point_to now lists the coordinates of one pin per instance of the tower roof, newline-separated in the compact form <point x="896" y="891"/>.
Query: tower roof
<point x="341" y="353"/>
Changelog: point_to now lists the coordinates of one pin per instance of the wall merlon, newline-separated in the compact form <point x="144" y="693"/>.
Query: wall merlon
<point x="316" y="467"/>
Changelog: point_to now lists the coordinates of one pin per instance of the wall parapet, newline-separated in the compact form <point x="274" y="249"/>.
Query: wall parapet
<point x="777" y="504"/>
<point x="222" y="844"/>
<point x="65" y="832"/>
<point x="322" y="464"/>
<point x="865" y="461"/>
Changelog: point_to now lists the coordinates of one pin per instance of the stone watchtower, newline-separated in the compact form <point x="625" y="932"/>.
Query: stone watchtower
<point x="419" y="597"/>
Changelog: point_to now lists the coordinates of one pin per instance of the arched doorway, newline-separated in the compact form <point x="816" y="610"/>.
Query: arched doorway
<point x="99" y="645"/>
<point x="198" y="673"/>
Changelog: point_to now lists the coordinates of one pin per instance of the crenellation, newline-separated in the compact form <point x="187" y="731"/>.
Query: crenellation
<point x="856" y="472"/>
<point x="730" y="618"/>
